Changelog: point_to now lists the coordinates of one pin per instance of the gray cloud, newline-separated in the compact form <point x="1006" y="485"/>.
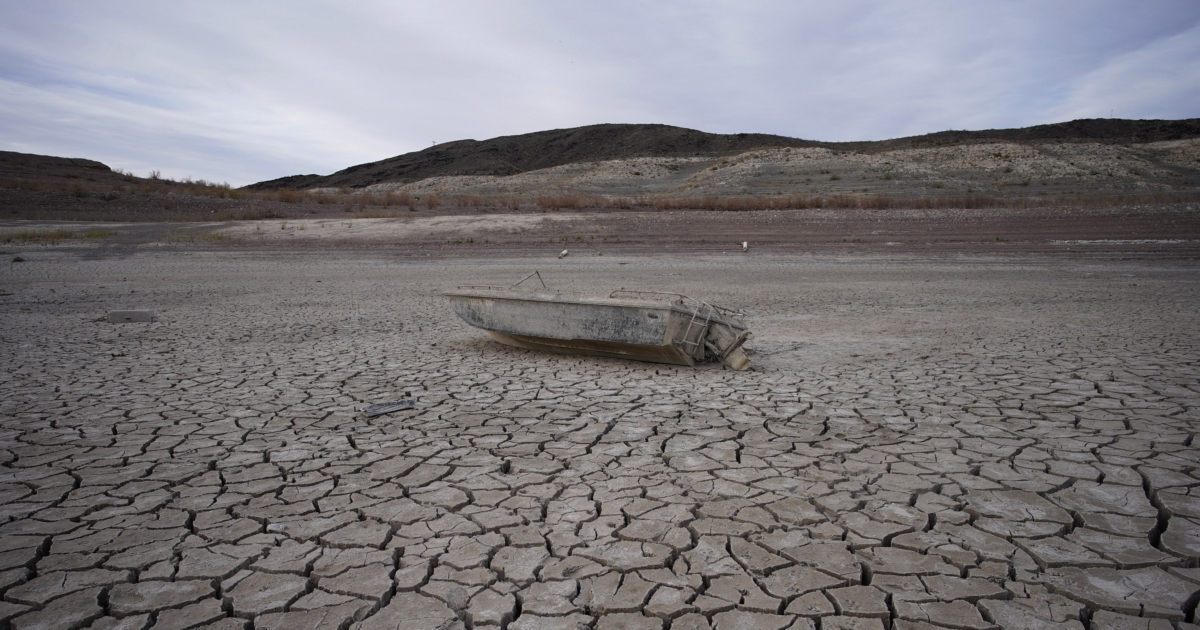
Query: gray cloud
<point x="249" y="91"/>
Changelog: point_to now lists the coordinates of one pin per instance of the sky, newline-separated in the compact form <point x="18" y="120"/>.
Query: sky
<point x="246" y="91"/>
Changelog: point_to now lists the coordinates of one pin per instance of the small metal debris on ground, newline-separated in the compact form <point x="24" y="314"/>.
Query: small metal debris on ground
<point x="563" y="254"/>
<point x="745" y="246"/>
<point x="380" y="409"/>
<point x="276" y="528"/>
<point x="18" y="259"/>
<point x="124" y="317"/>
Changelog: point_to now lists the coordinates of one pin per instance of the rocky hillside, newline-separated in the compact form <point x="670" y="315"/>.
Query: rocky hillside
<point x="510" y="155"/>
<point x="1003" y="169"/>
<point x="686" y="152"/>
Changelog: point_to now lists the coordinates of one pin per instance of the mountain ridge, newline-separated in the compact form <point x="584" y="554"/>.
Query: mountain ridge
<point x="512" y="155"/>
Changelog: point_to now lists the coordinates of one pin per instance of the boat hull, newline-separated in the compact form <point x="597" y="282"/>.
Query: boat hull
<point x="644" y="327"/>
<point x="615" y="350"/>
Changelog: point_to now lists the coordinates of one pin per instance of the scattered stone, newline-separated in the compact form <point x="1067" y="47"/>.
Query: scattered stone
<point x="122" y="317"/>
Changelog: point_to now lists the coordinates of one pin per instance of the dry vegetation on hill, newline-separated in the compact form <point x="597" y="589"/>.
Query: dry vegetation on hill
<point x="512" y="155"/>
<point x="992" y="173"/>
<point x="655" y="167"/>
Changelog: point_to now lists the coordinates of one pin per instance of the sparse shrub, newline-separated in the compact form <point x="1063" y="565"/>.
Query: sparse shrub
<point x="432" y="201"/>
<point x="569" y="202"/>
<point x="22" y="184"/>
<point x="38" y="236"/>
<point x="77" y="189"/>
<point x="471" y="201"/>
<point x="393" y="198"/>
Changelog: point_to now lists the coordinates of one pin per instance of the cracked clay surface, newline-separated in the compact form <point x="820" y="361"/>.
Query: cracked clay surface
<point x="966" y="443"/>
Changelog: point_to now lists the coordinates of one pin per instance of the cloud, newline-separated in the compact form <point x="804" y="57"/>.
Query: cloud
<point x="249" y="91"/>
<point x="1149" y="82"/>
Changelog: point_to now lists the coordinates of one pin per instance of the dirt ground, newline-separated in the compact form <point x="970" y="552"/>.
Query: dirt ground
<point x="927" y="440"/>
<point x="1150" y="231"/>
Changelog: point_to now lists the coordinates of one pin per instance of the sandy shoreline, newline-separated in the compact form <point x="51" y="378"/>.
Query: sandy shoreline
<point x="1170" y="231"/>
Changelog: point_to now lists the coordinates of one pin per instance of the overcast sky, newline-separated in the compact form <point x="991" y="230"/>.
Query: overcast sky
<point x="246" y="91"/>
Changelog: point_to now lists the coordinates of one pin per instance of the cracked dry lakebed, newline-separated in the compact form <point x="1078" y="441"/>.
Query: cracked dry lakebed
<point x="959" y="442"/>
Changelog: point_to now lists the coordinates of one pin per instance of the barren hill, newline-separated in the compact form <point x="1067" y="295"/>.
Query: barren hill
<point x="510" y="155"/>
<point x="514" y="155"/>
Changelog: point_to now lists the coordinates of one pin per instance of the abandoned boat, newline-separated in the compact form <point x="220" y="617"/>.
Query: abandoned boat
<point x="641" y="325"/>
